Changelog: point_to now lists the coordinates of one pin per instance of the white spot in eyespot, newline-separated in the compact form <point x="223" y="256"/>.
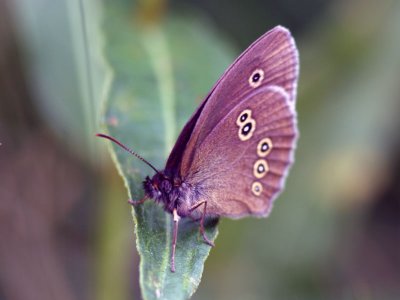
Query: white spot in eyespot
<point x="246" y="129"/>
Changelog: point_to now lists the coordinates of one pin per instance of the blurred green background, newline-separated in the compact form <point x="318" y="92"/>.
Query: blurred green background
<point x="66" y="230"/>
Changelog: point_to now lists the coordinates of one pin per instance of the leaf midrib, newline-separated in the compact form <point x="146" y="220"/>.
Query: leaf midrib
<point x="155" y="44"/>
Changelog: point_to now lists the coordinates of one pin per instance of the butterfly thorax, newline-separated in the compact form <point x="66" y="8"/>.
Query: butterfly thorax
<point x="172" y="192"/>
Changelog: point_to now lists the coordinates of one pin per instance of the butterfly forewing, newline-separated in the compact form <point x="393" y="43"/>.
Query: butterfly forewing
<point x="240" y="167"/>
<point x="271" y="60"/>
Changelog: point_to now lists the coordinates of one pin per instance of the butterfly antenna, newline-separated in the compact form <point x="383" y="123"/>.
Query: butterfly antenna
<point x="127" y="149"/>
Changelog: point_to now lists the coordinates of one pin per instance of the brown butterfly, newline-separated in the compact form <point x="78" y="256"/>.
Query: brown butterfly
<point x="232" y="157"/>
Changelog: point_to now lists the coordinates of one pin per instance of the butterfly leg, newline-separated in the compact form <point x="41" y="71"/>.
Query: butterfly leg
<point x="135" y="203"/>
<point x="174" y="239"/>
<point x="202" y="230"/>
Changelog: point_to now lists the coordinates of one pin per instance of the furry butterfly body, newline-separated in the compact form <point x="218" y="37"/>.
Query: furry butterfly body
<point x="232" y="157"/>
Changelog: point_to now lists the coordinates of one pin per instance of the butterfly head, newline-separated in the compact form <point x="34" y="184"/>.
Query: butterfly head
<point x="163" y="190"/>
<point x="163" y="187"/>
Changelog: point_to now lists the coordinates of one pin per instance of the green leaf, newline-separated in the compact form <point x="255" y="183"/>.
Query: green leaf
<point x="161" y="73"/>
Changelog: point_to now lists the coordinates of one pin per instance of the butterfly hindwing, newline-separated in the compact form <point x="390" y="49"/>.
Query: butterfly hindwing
<point x="240" y="167"/>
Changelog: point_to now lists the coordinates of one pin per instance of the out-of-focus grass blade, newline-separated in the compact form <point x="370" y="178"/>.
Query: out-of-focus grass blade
<point x="61" y="44"/>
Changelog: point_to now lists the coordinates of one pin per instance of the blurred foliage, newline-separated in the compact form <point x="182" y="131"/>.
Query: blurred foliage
<point x="333" y="234"/>
<point x="62" y="48"/>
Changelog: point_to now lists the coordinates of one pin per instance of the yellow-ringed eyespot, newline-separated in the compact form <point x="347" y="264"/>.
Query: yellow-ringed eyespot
<point x="247" y="129"/>
<point x="244" y="115"/>
<point x="256" y="78"/>
<point x="256" y="188"/>
<point x="264" y="147"/>
<point x="260" y="168"/>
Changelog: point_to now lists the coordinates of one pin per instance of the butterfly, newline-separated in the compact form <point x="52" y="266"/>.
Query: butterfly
<point x="233" y="155"/>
